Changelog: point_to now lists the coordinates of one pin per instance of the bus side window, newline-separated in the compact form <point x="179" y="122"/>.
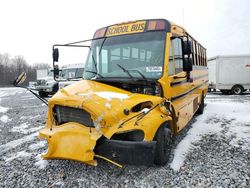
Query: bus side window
<point x="170" y="60"/>
<point x="178" y="55"/>
<point x="104" y="57"/>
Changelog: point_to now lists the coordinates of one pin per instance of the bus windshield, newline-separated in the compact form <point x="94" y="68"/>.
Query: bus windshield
<point x="128" y="56"/>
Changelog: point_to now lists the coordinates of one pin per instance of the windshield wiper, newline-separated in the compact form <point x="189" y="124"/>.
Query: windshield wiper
<point x="125" y="70"/>
<point x="138" y="73"/>
<point x="95" y="73"/>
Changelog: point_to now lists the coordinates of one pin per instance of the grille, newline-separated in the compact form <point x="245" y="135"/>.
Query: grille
<point x="65" y="114"/>
<point x="41" y="82"/>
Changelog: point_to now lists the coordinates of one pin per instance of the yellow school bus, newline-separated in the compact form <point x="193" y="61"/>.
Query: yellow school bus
<point x="143" y="82"/>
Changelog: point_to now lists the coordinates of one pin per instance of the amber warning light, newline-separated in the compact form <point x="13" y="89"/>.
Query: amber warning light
<point x="100" y="33"/>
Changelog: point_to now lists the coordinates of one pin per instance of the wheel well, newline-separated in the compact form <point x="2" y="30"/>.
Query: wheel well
<point x="238" y="85"/>
<point x="169" y="125"/>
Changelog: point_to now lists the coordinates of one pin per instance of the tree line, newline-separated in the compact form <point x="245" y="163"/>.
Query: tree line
<point x="10" y="68"/>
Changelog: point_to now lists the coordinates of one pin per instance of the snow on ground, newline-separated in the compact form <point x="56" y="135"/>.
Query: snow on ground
<point x="10" y="91"/>
<point x="20" y="154"/>
<point x="3" y="109"/>
<point x="38" y="145"/>
<point x="25" y="129"/>
<point x="40" y="162"/>
<point x="4" y="119"/>
<point x="13" y="144"/>
<point x="217" y="116"/>
<point x="29" y="117"/>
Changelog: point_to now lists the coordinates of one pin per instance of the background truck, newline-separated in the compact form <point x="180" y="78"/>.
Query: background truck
<point x="229" y="74"/>
<point x="48" y="86"/>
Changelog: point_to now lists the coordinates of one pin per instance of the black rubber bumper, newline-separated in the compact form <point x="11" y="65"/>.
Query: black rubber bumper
<point x="127" y="152"/>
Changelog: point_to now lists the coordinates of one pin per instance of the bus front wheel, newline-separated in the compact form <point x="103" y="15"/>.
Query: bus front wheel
<point x="163" y="140"/>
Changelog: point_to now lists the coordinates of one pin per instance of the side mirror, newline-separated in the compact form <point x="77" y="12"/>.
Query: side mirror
<point x="56" y="72"/>
<point x="55" y="55"/>
<point x="187" y="47"/>
<point x="20" y="79"/>
<point x="187" y="64"/>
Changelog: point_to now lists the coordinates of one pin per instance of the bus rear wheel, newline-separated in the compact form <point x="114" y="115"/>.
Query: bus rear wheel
<point x="163" y="140"/>
<point x="201" y="106"/>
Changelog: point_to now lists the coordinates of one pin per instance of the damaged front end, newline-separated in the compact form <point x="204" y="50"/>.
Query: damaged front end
<point x="83" y="122"/>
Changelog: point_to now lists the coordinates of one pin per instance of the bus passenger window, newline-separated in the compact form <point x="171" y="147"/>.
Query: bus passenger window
<point x="177" y="55"/>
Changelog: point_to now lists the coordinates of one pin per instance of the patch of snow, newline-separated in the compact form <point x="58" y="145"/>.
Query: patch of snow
<point x="199" y="129"/>
<point x="97" y="123"/>
<point x="4" y="119"/>
<point x="58" y="183"/>
<point x="111" y="95"/>
<point x="3" y="109"/>
<point x="233" y="115"/>
<point x="241" y="133"/>
<point x="20" y="127"/>
<point x="108" y="105"/>
<point x="40" y="162"/>
<point x="12" y="144"/>
<point x="21" y="154"/>
<point x="23" y="128"/>
<point x="38" y="145"/>
<point x="7" y="91"/>
<point x="145" y="110"/>
<point x="29" y="117"/>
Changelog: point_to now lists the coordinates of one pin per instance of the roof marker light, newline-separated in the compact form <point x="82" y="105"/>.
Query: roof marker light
<point x="100" y="33"/>
<point x="156" y="25"/>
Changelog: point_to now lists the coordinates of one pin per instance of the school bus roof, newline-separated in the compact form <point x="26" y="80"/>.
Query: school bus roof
<point x="140" y="26"/>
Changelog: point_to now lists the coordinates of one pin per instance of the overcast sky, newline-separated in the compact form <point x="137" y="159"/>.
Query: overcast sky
<point x="30" y="27"/>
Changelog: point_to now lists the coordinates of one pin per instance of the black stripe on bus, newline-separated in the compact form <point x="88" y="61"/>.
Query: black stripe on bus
<point x="183" y="94"/>
<point x="178" y="83"/>
<point x="185" y="81"/>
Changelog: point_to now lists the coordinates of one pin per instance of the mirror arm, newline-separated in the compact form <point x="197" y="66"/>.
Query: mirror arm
<point x="40" y="98"/>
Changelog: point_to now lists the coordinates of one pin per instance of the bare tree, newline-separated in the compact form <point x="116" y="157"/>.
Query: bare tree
<point x="12" y="67"/>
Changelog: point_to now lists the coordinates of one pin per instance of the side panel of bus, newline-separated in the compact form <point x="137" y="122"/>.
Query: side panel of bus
<point x="186" y="95"/>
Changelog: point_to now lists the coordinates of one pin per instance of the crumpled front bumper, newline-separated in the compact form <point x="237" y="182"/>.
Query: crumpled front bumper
<point x="71" y="141"/>
<point x="127" y="152"/>
<point x="74" y="141"/>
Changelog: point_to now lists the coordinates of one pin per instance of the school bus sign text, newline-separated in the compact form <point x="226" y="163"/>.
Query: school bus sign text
<point x="123" y="29"/>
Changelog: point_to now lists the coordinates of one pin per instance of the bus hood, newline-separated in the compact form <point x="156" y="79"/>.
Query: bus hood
<point x="108" y="106"/>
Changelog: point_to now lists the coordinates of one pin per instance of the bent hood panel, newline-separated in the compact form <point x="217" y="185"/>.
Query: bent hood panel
<point x="105" y="103"/>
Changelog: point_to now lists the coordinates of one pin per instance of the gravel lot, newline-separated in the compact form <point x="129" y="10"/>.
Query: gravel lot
<point x="213" y="151"/>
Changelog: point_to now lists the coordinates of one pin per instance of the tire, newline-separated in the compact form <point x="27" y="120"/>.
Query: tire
<point x="237" y="90"/>
<point x="201" y="106"/>
<point x="43" y="94"/>
<point x="163" y="138"/>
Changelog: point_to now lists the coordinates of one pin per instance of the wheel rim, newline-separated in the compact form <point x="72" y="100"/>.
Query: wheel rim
<point x="237" y="90"/>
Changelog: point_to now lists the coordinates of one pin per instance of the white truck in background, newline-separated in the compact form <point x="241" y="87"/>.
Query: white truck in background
<point x="70" y="74"/>
<point x="229" y="74"/>
<point x="46" y="85"/>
